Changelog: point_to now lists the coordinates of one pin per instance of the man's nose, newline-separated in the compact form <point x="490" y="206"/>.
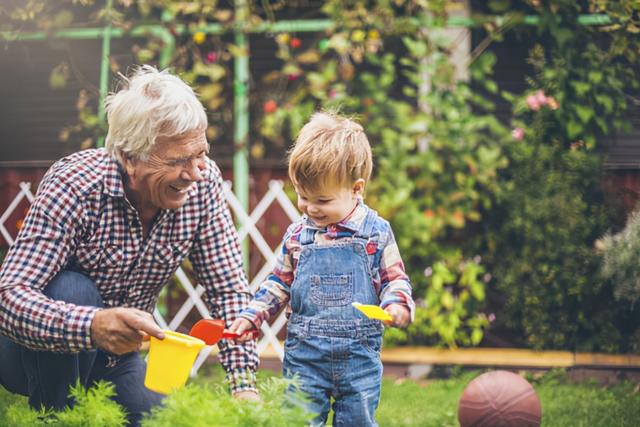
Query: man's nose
<point x="193" y="172"/>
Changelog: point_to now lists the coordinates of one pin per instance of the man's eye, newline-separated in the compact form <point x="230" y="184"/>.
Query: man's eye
<point x="323" y="201"/>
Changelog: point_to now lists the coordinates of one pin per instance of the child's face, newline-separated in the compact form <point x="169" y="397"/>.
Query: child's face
<point x="329" y="205"/>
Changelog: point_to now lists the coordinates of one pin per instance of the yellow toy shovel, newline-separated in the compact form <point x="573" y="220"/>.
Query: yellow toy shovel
<point x="372" y="311"/>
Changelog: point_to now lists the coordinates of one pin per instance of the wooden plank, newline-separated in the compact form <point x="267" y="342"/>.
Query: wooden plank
<point x="508" y="357"/>
<point x="478" y="357"/>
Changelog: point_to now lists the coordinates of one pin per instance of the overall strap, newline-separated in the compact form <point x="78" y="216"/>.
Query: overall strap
<point x="367" y="225"/>
<point x="307" y="236"/>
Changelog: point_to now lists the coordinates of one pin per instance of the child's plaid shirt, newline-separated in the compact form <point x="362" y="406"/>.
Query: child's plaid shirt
<point x="389" y="279"/>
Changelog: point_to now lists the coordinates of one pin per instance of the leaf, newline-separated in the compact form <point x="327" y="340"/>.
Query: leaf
<point x="581" y="88"/>
<point x="574" y="129"/>
<point x="310" y="56"/>
<point x="214" y="71"/>
<point x="584" y="112"/>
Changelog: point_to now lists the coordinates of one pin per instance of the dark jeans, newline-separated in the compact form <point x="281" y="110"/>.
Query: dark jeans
<point x="46" y="377"/>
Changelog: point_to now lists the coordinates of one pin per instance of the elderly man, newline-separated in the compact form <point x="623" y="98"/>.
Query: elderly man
<point x="108" y="228"/>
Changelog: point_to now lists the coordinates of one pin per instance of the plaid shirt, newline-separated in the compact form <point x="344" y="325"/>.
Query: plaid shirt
<point x="81" y="220"/>
<point x="388" y="277"/>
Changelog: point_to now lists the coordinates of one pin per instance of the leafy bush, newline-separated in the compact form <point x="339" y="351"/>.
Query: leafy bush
<point x="93" y="408"/>
<point x="620" y="264"/>
<point x="437" y="150"/>
<point x="202" y="405"/>
<point x="542" y="257"/>
<point x="194" y="405"/>
<point x="541" y="233"/>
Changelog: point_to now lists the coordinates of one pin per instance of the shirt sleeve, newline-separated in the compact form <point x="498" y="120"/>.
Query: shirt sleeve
<point x="274" y="292"/>
<point x="217" y="261"/>
<point x="395" y="287"/>
<point x="41" y="250"/>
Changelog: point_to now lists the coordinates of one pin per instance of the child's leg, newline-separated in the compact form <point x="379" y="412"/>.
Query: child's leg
<point x="304" y="363"/>
<point x="359" y="390"/>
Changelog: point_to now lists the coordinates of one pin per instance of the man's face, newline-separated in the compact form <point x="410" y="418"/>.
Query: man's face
<point x="173" y="167"/>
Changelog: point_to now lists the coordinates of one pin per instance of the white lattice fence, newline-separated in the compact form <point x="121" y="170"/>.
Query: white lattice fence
<point x="248" y="229"/>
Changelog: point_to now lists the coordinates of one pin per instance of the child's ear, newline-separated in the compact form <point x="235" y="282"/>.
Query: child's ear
<point x="358" y="188"/>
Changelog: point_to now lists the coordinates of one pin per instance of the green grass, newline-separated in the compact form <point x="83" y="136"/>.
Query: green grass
<point x="434" y="402"/>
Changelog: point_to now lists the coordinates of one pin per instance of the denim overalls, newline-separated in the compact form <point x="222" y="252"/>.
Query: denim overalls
<point x="332" y="348"/>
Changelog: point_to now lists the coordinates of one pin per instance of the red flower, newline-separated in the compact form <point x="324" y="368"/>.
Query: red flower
<point x="295" y="43"/>
<point x="270" y="106"/>
<point x="212" y="57"/>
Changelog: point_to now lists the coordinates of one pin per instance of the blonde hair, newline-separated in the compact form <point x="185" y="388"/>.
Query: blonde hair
<point x="151" y="103"/>
<point x="330" y="150"/>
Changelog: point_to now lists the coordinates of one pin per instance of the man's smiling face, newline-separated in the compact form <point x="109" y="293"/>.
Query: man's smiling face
<point x="174" y="165"/>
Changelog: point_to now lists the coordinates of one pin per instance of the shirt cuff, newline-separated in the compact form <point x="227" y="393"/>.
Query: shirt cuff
<point x="242" y="380"/>
<point x="77" y="328"/>
<point x="254" y="319"/>
<point x="401" y="301"/>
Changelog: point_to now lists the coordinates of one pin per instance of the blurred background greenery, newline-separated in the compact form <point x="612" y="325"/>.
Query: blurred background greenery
<point x="492" y="167"/>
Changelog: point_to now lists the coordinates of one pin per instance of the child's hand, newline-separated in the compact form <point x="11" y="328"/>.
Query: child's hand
<point x="240" y="325"/>
<point x="400" y="314"/>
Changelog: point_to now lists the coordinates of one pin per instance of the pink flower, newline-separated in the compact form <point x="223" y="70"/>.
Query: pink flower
<point x="532" y="102"/>
<point x="552" y="103"/>
<point x="212" y="57"/>
<point x="541" y="97"/>
<point x="491" y="317"/>
<point x="517" y="134"/>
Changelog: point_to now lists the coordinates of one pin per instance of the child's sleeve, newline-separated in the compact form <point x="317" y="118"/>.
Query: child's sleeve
<point x="274" y="292"/>
<point x="395" y="287"/>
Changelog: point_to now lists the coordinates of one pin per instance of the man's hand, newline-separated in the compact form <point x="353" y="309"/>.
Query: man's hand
<point x="239" y="326"/>
<point x="400" y="314"/>
<point x="247" y="395"/>
<point x="121" y="330"/>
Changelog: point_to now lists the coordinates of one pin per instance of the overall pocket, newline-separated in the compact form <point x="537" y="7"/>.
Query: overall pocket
<point x="332" y="290"/>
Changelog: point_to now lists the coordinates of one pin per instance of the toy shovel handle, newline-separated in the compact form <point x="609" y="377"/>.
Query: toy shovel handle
<point x="253" y="333"/>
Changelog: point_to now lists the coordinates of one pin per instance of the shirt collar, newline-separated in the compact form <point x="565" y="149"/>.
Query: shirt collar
<point x="114" y="177"/>
<point x="352" y="222"/>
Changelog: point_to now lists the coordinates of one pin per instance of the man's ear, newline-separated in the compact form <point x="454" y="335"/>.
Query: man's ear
<point x="358" y="187"/>
<point x="129" y="163"/>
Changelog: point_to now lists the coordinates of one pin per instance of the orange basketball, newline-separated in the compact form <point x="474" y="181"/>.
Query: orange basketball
<point x="499" y="399"/>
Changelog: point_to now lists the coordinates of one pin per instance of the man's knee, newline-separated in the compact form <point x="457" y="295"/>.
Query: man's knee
<point x="74" y="288"/>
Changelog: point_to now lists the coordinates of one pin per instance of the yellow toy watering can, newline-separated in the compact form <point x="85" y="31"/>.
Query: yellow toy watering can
<point x="170" y="361"/>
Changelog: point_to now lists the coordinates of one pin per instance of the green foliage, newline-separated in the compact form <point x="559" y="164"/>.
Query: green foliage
<point x="620" y="264"/>
<point x="540" y="236"/>
<point x="542" y="257"/>
<point x="93" y="408"/>
<point x="437" y="149"/>
<point x="202" y="405"/>
<point x="446" y="175"/>
<point x="194" y="405"/>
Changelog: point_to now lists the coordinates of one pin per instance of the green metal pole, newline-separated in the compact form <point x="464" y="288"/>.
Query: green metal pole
<point x="104" y="71"/>
<point x="241" y="115"/>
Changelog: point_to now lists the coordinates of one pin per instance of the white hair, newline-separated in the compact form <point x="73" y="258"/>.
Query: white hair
<point x="152" y="103"/>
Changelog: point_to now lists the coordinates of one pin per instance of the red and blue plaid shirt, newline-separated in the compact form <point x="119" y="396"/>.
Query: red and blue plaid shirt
<point x="81" y="220"/>
<point x="388" y="277"/>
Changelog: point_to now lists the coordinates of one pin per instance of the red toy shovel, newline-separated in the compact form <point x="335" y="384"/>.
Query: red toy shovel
<point x="212" y="330"/>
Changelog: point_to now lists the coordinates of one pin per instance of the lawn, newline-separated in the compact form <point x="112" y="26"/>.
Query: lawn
<point x="434" y="402"/>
